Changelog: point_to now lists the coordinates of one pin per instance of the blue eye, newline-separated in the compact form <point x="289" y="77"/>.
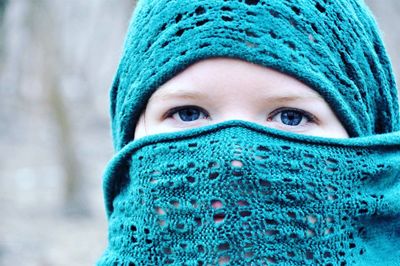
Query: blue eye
<point x="187" y="113"/>
<point x="292" y="117"/>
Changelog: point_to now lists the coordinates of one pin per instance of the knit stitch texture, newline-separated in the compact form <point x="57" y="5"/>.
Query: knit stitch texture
<point x="237" y="193"/>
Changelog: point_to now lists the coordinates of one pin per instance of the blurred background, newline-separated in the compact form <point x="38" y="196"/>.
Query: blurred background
<point x="57" y="61"/>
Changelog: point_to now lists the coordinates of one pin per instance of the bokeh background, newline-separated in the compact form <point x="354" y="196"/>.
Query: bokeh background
<point x="57" y="61"/>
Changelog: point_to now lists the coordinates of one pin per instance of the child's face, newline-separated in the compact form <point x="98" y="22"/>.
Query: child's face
<point x="220" y="89"/>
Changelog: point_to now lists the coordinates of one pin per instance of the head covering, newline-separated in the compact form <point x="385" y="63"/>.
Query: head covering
<point x="333" y="46"/>
<point x="238" y="193"/>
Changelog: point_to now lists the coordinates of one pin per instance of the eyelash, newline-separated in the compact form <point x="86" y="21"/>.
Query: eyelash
<point x="310" y="117"/>
<point x="175" y="110"/>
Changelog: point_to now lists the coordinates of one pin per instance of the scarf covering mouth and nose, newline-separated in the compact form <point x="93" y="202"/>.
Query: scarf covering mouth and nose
<point x="237" y="193"/>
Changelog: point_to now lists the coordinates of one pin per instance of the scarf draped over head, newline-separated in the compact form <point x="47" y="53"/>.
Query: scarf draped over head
<point x="237" y="193"/>
<point x="331" y="45"/>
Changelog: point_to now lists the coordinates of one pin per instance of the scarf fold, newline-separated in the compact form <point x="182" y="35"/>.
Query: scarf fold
<point x="237" y="193"/>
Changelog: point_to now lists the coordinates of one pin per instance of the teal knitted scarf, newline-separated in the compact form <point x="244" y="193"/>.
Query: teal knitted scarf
<point x="237" y="193"/>
<point x="241" y="194"/>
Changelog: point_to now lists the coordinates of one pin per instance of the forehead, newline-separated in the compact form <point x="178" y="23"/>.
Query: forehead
<point x="232" y="77"/>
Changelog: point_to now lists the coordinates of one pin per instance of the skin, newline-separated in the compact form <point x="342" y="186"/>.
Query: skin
<point x="219" y="89"/>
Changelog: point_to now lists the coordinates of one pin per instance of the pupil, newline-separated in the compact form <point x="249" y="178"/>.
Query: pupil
<point x="291" y="118"/>
<point x="188" y="115"/>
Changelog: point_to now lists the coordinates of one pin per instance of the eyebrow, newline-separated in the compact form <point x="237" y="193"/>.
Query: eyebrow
<point x="277" y="98"/>
<point x="196" y="95"/>
<point x="181" y="94"/>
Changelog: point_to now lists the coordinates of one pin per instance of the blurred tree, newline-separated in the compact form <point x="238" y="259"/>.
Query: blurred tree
<point x="44" y="27"/>
<point x="3" y="4"/>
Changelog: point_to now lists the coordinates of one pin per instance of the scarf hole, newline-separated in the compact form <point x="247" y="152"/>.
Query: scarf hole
<point x="213" y="165"/>
<point x="332" y="188"/>
<point x="169" y="261"/>
<point x="287" y="180"/>
<point x="309" y="255"/>
<point x="263" y="148"/>
<point x="272" y="260"/>
<point x="332" y="197"/>
<point x="198" y="221"/>
<point x="216" y="204"/>
<point x="160" y="211"/>
<point x="245" y="213"/>
<point x="237" y="173"/>
<point x="290" y="197"/>
<point x="264" y="183"/>
<point x="329" y="219"/>
<point x="249" y="254"/>
<point x="328" y="231"/>
<point x="310" y="233"/>
<point x="296" y="10"/>
<point x="180" y="32"/>
<point x="224" y="260"/>
<point x="180" y="226"/>
<point x="271" y="222"/>
<point x="320" y="8"/>
<point x="162" y="223"/>
<point x="192" y="145"/>
<point x="200" y="248"/>
<point x="194" y="203"/>
<point x="309" y="166"/>
<point x="243" y="203"/>
<point x="191" y="179"/>
<point x="201" y="23"/>
<point x="223" y="246"/>
<point x="271" y="232"/>
<point x="178" y="18"/>
<point x="227" y="18"/>
<point x="252" y="2"/>
<point x="200" y="10"/>
<point x="237" y="163"/>
<point x="213" y="176"/>
<point x="312" y="219"/>
<point x="219" y="218"/>
<point x="291" y="254"/>
<point x="174" y="203"/>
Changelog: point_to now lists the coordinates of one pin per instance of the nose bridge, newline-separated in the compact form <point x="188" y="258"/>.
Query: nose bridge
<point x="240" y="109"/>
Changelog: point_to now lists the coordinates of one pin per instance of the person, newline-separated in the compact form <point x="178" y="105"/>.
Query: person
<point x="253" y="132"/>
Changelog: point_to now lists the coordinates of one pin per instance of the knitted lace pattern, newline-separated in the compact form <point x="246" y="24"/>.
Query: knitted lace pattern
<point x="237" y="193"/>
<point x="331" y="45"/>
